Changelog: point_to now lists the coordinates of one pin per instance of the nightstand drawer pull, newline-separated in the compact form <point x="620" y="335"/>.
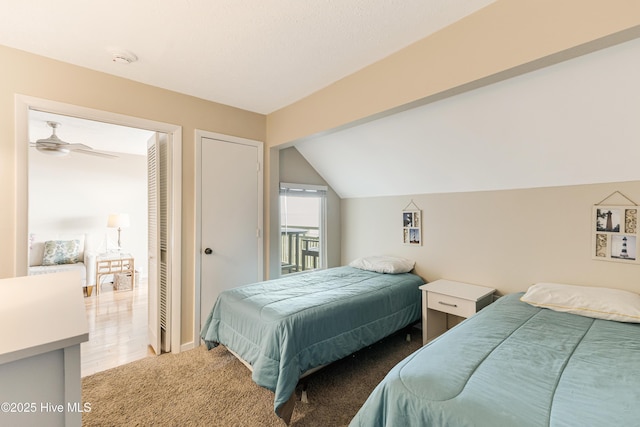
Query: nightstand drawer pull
<point x="447" y="304"/>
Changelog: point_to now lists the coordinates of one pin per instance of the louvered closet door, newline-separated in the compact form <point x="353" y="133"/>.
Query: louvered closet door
<point x="157" y="242"/>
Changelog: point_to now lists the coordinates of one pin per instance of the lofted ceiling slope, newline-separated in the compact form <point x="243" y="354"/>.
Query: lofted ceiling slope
<point x="572" y="123"/>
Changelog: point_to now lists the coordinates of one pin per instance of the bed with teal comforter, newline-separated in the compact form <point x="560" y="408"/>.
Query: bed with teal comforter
<point x="287" y="326"/>
<point x="513" y="364"/>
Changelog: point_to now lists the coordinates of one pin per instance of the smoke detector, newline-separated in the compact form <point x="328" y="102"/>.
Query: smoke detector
<point x="123" y="56"/>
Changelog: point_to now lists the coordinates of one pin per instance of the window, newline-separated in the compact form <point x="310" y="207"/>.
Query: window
<point x="302" y="227"/>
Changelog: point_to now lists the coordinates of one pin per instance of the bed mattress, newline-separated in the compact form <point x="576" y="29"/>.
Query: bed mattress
<point x="287" y="326"/>
<point x="513" y="364"/>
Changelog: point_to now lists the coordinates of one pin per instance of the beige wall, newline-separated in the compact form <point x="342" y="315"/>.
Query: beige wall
<point x="503" y="239"/>
<point x="35" y="76"/>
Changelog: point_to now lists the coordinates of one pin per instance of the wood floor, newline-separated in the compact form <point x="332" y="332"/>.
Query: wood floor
<point x="117" y="328"/>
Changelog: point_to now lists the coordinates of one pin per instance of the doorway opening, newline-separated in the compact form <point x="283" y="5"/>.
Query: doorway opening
<point x="88" y="187"/>
<point x="25" y="108"/>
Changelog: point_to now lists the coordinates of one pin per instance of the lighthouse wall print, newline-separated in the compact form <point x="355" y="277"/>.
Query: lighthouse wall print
<point x="615" y="233"/>
<point x="411" y="227"/>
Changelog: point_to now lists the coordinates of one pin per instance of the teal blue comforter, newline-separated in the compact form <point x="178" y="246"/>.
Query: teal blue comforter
<point x="287" y="326"/>
<point x="515" y="365"/>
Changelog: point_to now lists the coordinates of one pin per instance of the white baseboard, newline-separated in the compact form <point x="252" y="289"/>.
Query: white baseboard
<point x="187" y="346"/>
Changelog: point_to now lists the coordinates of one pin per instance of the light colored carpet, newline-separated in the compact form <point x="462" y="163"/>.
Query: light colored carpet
<point x="212" y="388"/>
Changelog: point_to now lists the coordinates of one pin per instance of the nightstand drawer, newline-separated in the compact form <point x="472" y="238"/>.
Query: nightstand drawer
<point x="452" y="305"/>
<point x="443" y="297"/>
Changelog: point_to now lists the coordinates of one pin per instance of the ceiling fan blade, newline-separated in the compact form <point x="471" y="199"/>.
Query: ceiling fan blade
<point x="53" y="144"/>
<point x="95" y="153"/>
<point x="60" y="144"/>
<point x="76" y="147"/>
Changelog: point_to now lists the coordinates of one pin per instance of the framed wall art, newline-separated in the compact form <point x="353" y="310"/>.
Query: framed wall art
<point x="615" y="233"/>
<point x="412" y="225"/>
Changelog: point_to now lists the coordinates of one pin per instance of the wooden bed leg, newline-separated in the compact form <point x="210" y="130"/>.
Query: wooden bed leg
<point x="286" y="410"/>
<point x="304" y="398"/>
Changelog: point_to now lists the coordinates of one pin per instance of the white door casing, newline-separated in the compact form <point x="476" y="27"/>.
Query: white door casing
<point x="230" y="204"/>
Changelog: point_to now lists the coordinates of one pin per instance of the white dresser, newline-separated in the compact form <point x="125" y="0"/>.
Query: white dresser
<point x="42" y="323"/>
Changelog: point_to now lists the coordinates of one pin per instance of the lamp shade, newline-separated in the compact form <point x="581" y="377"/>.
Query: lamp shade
<point x="118" y="221"/>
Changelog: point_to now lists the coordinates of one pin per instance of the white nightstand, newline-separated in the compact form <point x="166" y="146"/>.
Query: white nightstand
<point x="442" y="297"/>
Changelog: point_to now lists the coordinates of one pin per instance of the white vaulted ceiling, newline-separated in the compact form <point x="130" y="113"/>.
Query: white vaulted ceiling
<point x="572" y="123"/>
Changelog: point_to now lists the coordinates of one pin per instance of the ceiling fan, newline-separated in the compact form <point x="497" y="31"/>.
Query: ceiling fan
<point x="54" y="146"/>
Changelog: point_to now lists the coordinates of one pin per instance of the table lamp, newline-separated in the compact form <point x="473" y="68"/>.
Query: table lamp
<point x="118" y="221"/>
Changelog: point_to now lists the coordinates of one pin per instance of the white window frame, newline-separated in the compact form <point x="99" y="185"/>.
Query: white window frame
<point x="312" y="190"/>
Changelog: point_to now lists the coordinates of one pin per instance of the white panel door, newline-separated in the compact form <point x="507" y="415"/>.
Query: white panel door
<point x="231" y="215"/>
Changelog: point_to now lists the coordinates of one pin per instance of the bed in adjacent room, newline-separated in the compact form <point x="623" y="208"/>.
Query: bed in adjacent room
<point x="517" y="363"/>
<point x="285" y="327"/>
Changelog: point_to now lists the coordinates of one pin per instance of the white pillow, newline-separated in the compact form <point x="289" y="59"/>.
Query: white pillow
<point x="383" y="264"/>
<point x="600" y="303"/>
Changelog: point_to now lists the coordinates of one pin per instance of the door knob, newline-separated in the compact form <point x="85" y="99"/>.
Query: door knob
<point x="208" y="251"/>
